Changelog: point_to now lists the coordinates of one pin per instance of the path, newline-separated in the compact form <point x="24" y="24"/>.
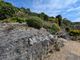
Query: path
<point x="71" y="51"/>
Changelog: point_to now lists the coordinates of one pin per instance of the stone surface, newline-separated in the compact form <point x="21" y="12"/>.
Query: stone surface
<point x="30" y="44"/>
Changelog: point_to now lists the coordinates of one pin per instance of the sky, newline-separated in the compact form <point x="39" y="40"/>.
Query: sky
<point x="69" y="9"/>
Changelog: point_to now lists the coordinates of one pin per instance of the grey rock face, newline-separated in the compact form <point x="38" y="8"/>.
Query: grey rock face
<point x="30" y="44"/>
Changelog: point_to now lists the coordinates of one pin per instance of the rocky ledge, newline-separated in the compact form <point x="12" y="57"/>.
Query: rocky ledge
<point x="30" y="44"/>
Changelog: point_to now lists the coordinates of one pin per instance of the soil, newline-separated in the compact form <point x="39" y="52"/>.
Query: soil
<point x="71" y="51"/>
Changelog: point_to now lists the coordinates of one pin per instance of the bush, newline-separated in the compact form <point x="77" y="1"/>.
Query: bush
<point x="47" y="25"/>
<point x="19" y="20"/>
<point x="6" y="10"/>
<point x="35" y="22"/>
<point x="67" y="29"/>
<point x="74" y="33"/>
<point x="14" y="20"/>
<point x="55" y="28"/>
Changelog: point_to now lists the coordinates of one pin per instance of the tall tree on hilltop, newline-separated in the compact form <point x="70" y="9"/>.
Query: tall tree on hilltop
<point x="59" y="19"/>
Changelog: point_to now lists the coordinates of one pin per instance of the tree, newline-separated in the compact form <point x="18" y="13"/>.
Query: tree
<point x="25" y="10"/>
<point x="28" y="10"/>
<point x="66" y="23"/>
<point x="59" y="19"/>
<point x="43" y="16"/>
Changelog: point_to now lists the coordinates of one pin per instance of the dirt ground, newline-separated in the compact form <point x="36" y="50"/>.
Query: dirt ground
<point x="71" y="51"/>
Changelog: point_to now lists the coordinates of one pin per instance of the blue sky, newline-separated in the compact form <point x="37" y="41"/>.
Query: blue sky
<point x="67" y="8"/>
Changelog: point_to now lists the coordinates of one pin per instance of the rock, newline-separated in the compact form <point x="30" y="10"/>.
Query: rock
<point x="30" y="44"/>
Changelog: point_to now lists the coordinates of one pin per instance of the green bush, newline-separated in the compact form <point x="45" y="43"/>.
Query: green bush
<point x="6" y="10"/>
<point x="55" y="28"/>
<point x="47" y="25"/>
<point x="19" y="20"/>
<point x="74" y="32"/>
<point x="75" y="35"/>
<point x="14" y="20"/>
<point x="67" y="29"/>
<point x="35" y="22"/>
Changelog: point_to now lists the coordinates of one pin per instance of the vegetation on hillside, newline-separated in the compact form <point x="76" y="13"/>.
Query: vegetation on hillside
<point x="12" y="14"/>
<point x="55" y="28"/>
<point x="35" y="22"/>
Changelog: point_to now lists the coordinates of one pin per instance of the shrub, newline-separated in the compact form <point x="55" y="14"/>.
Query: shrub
<point x="74" y="33"/>
<point x="47" y="25"/>
<point x="43" y="16"/>
<point x="6" y="10"/>
<point x="14" y="20"/>
<point x="35" y="22"/>
<point x="19" y="20"/>
<point x="55" y="28"/>
<point x="67" y="29"/>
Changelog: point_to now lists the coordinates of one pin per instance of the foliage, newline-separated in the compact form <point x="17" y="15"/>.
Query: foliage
<point x="55" y="28"/>
<point x="67" y="29"/>
<point x="6" y="10"/>
<point x="66" y="22"/>
<point x="20" y="20"/>
<point x="76" y="23"/>
<point x="74" y="33"/>
<point x="9" y="13"/>
<point x="51" y="19"/>
<point x="25" y="11"/>
<point x="59" y="19"/>
<point x="47" y="25"/>
<point x="33" y="14"/>
<point x="35" y="22"/>
<point x="14" y="20"/>
<point x="43" y="16"/>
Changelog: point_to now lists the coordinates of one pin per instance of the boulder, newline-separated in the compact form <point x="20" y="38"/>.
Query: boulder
<point x="30" y="44"/>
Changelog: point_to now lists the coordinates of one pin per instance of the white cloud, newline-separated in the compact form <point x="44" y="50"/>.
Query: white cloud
<point x="73" y="9"/>
<point x="53" y="4"/>
<point x="54" y="7"/>
<point x="76" y="20"/>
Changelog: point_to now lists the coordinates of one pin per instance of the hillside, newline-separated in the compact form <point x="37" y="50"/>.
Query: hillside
<point x="55" y="25"/>
<point x="27" y="35"/>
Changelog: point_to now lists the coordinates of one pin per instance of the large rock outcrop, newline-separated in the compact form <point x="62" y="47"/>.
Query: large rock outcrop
<point x="30" y="44"/>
